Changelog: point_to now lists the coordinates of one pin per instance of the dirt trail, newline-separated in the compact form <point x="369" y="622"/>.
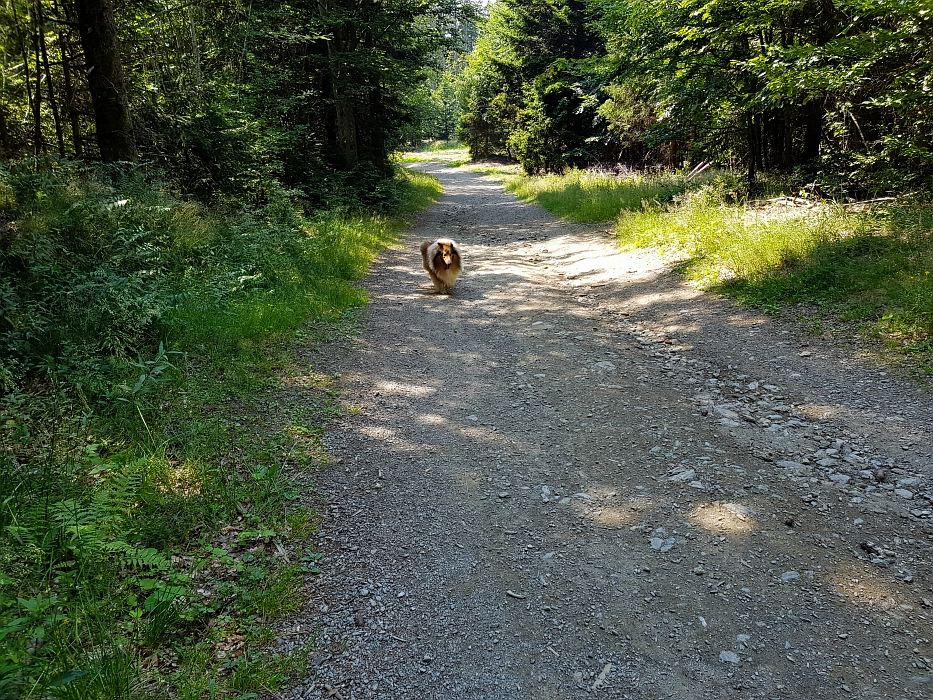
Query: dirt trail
<point x="578" y="477"/>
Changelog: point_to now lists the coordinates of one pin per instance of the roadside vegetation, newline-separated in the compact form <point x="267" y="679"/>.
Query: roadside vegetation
<point x="189" y="194"/>
<point x="868" y="267"/>
<point x="151" y="526"/>
<point x="450" y="153"/>
<point x="795" y="98"/>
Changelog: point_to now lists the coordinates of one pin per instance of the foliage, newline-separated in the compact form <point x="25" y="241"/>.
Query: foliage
<point x="526" y="91"/>
<point x="584" y="196"/>
<point x="874" y="267"/>
<point x="237" y="98"/>
<point x="141" y="530"/>
<point x="833" y="92"/>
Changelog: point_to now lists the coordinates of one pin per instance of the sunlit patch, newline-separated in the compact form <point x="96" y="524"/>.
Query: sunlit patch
<point x="397" y="389"/>
<point x="310" y="380"/>
<point x="723" y="517"/>
<point x="818" y="412"/>
<point x="614" y="516"/>
<point x="605" y="508"/>
<point x="431" y="419"/>
<point x="481" y="434"/>
<point x="180" y="480"/>
<point x="378" y="432"/>
<point x="861" y="585"/>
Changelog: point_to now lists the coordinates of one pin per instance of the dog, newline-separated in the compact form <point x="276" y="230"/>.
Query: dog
<point x="441" y="259"/>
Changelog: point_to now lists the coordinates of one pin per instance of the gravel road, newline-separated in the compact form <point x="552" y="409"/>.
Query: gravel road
<point x="577" y="476"/>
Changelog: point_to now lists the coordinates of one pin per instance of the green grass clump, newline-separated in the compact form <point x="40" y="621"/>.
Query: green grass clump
<point x="585" y="197"/>
<point x="874" y="267"/>
<point x="441" y="145"/>
<point x="154" y="448"/>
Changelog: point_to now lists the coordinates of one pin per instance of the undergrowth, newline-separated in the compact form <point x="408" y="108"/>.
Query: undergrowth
<point x="151" y="528"/>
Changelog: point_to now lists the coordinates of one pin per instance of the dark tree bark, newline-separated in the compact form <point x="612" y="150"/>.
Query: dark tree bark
<point x="105" y="80"/>
<point x="6" y="148"/>
<point x="813" y="134"/>
<point x="68" y="59"/>
<point x="33" y="105"/>
<point x="40" y="15"/>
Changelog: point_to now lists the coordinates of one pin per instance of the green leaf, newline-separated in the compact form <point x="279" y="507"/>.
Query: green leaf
<point x="65" y="677"/>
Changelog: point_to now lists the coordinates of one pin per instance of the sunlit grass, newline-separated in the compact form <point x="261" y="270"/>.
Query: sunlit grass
<point x="872" y="267"/>
<point x="453" y="157"/>
<point x="441" y="145"/>
<point x="586" y="197"/>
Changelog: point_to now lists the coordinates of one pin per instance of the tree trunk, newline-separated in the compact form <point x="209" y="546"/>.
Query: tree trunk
<point x="814" y="131"/>
<point x="40" y="15"/>
<point x="37" y="139"/>
<point x="6" y="148"/>
<point x="345" y="128"/>
<point x="70" y="100"/>
<point x="105" y="80"/>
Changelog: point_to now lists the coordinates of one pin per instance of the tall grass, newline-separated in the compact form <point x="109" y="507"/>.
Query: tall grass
<point x="150" y="472"/>
<point x="874" y="267"/>
<point x="440" y="145"/>
<point x="585" y="197"/>
<point x="588" y="197"/>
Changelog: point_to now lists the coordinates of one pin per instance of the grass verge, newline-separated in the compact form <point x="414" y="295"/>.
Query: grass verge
<point x="158" y="429"/>
<point x="587" y="197"/>
<point x="449" y="153"/>
<point x="868" y="271"/>
<point x="872" y="269"/>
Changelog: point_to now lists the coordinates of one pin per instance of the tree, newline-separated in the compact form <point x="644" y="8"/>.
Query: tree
<point x="104" y="70"/>
<point x="527" y="85"/>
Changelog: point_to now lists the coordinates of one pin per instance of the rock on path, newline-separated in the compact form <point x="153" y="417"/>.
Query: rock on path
<point x="576" y="476"/>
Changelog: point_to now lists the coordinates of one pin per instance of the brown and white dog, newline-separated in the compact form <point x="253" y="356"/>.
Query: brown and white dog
<point x="441" y="259"/>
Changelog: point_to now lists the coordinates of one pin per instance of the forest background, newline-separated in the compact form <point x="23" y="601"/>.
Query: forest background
<point x="186" y="186"/>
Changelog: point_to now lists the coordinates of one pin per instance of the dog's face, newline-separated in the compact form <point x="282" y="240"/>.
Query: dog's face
<point x="446" y="251"/>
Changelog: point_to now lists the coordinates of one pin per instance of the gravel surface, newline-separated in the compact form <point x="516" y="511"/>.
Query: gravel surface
<point x="577" y="476"/>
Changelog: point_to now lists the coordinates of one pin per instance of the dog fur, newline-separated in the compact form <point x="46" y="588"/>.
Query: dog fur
<point x="441" y="260"/>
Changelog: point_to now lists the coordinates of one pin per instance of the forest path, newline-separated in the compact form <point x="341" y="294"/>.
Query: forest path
<point x="576" y="476"/>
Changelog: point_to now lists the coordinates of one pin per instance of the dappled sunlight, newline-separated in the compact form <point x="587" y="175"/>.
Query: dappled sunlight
<point x="308" y="380"/>
<point x="181" y="479"/>
<point x="603" y="505"/>
<point x="614" y="516"/>
<point x="728" y="518"/>
<point x="815" y="412"/>
<point x="430" y="419"/>
<point x="862" y="584"/>
<point x="399" y="389"/>
<point x="378" y="432"/>
<point x="482" y="434"/>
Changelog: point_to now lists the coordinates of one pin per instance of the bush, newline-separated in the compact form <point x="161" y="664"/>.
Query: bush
<point x="132" y="323"/>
